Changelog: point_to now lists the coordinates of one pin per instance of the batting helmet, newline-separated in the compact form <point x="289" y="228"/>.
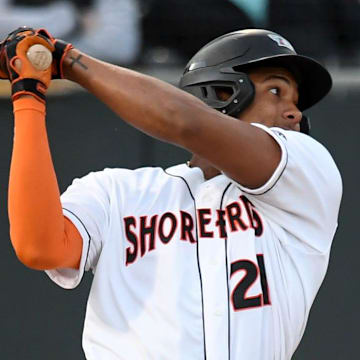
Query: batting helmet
<point x="224" y="62"/>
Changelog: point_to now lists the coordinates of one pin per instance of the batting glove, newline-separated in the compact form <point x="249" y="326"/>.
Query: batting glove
<point x="25" y="79"/>
<point x="61" y="50"/>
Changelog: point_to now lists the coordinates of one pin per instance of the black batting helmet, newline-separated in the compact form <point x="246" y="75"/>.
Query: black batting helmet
<point x="224" y="62"/>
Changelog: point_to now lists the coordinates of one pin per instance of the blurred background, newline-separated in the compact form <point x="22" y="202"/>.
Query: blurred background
<point x="40" y="321"/>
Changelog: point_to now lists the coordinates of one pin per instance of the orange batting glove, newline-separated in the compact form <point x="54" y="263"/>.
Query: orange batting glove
<point x="14" y="64"/>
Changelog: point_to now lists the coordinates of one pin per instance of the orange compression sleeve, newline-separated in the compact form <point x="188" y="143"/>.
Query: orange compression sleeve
<point x="41" y="236"/>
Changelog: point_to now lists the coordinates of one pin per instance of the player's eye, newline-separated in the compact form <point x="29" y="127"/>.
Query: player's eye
<point x="275" y="90"/>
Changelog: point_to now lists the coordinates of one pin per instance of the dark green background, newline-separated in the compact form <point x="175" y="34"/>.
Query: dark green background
<point x="42" y="321"/>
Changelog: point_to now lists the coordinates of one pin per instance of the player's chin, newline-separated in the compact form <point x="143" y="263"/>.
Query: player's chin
<point x="292" y="127"/>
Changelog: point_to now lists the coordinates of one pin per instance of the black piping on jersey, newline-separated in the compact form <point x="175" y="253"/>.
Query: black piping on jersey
<point x="227" y="271"/>
<point x="286" y="162"/>
<point x="197" y="255"/>
<point x="89" y="242"/>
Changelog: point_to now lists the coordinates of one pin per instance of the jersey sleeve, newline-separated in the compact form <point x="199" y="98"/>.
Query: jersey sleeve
<point x="86" y="204"/>
<point x="304" y="193"/>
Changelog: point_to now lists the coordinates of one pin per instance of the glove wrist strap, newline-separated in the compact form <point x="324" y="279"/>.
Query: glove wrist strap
<point x="29" y="86"/>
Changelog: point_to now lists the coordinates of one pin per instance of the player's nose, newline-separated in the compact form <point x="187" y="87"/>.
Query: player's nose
<point x="294" y="115"/>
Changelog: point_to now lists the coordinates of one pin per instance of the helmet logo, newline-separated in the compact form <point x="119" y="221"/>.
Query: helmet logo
<point x="281" y="41"/>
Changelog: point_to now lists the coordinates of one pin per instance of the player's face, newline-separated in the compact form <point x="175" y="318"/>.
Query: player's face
<point x="276" y="98"/>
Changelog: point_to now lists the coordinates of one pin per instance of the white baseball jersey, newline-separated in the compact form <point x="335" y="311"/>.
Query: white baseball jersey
<point x="187" y="268"/>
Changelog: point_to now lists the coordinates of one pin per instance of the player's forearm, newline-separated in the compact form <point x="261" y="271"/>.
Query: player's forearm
<point x="151" y="105"/>
<point x="169" y="114"/>
<point x="35" y="213"/>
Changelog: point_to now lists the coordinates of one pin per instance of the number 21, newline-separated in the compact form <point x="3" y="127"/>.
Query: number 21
<point x="238" y="296"/>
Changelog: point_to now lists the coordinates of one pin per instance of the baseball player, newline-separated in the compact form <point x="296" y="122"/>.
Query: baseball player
<point x="220" y="258"/>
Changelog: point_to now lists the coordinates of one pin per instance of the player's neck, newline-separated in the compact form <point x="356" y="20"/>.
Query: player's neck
<point x="208" y="170"/>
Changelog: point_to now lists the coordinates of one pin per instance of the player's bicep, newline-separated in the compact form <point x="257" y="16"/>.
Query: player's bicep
<point x="247" y="154"/>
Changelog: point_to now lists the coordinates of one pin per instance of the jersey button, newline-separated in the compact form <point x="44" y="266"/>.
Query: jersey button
<point x="218" y="312"/>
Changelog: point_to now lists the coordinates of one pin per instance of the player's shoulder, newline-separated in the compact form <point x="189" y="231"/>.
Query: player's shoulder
<point x="142" y="174"/>
<point x="293" y="138"/>
<point x="114" y="172"/>
<point x="110" y="182"/>
<point x="296" y="137"/>
<point x="310" y="156"/>
<point x="302" y="144"/>
<point x="301" y="147"/>
<point x="111" y="175"/>
<point x="305" y="159"/>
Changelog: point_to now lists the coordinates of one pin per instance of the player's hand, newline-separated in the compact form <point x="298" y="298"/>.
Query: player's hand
<point x="15" y="65"/>
<point x="61" y="50"/>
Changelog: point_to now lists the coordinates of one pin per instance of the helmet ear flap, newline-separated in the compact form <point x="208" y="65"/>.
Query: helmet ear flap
<point x="237" y="85"/>
<point x="243" y="95"/>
